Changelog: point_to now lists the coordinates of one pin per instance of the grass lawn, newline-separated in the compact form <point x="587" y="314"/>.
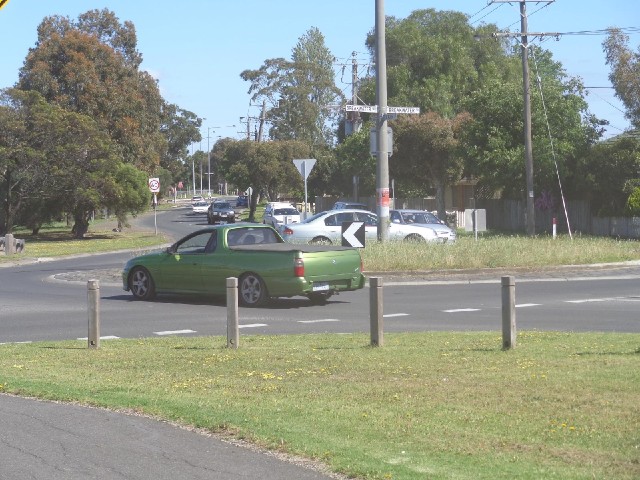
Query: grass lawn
<point x="427" y="405"/>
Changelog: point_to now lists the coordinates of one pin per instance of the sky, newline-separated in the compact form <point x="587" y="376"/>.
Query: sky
<point x="196" y="49"/>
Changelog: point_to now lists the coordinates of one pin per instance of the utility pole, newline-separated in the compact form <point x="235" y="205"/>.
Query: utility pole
<point x="528" y="149"/>
<point x="382" y="166"/>
<point x="263" y="115"/>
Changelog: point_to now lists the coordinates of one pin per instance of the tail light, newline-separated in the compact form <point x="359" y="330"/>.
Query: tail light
<point x="287" y="231"/>
<point x="298" y="267"/>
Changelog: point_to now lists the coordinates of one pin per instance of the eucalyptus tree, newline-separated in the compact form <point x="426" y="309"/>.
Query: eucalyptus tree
<point x="301" y="94"/>
<point x="54" y="163"/>
<point x="625" y="72"/>
<point x="563" y="130"/>
<point x="266" y="167"/>
<point x="91" y="66"/>
<point x="434" y="62"/>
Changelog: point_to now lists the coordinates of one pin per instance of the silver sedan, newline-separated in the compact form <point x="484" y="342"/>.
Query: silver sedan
<point x="326" y="228"/>
<point x="426" y="218"/>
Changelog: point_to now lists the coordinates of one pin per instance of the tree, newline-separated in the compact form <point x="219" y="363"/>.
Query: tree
<point x="91" y="67"/>
<point x="263" y="166"/>
<point x="302" y="92"/>
<point x="493" y="142"/>
<point x="55" y="162"/>
<point x="427" y="152"/>
<point x="608" y="174"/>
<point x="354" y="159"/>
<point x="625" y="72"/>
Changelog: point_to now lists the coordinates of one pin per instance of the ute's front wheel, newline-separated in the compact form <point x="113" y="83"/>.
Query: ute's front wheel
<point x="141" y="284"/>
<point x="252" y="291"/>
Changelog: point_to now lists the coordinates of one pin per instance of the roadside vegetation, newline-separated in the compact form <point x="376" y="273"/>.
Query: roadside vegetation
<point x="425" y="405"/>
<point x="490" y="250"/>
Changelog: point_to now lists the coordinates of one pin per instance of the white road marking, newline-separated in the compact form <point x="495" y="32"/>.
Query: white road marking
<point x="253" y="325"/>
<point x="319" y="321"/>
<point x="521" y="305"/>
<point x="389" y="315"/>
<point x="589" y="300"/>
<point x="106" y="337"/>
<point x="457" y="310"/>
<point x="12" y="343"/>
<point x="174" y="332"/>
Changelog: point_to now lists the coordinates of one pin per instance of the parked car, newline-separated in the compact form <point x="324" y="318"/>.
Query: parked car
<point x="264" y="264"/>
<point x="353" y="205"/>
<point x="423" y="217"/>
<point x="220" y="211"/>
<point x="277" y="213"/>
<point x="200" y="207"/>
<point x="242" y="201"/>
<point x="326" y="228"/>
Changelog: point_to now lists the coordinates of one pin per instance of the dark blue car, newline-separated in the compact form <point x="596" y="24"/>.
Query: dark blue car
<point x="242" y="201"/>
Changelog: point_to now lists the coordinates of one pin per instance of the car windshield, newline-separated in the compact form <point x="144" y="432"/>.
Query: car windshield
<point x="222" y="205"/>
<point x="286" y="211"/>
<point x="419" y="217"/>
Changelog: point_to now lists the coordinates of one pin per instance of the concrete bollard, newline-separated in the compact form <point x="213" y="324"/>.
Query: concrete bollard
<point x="233" y="330"/>
<point x="9" y="244"/>
<point x="93" y="301"/>
<point x="508" y="312"/>
<point x="376" y="311"/>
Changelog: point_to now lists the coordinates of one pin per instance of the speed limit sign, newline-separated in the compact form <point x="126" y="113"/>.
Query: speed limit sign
<point x="154" y="185"/>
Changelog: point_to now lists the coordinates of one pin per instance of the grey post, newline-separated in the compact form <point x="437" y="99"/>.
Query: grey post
<point x="376" y="311"/>
<point x="233" y="331"/>
<point x="9" y="244"/>
<point x="508" y="312"/>
<point x="93" y="301"/>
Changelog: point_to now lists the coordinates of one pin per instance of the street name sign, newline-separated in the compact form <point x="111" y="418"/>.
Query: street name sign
<point x="374" y="109"/>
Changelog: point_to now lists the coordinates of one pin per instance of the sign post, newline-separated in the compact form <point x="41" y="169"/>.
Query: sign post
<point x="382" y="145"/>
<point x="304" y="166"/>
<point x="154" y="187"/>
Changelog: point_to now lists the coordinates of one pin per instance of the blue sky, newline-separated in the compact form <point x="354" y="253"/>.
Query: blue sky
<point x="197" y="48"/>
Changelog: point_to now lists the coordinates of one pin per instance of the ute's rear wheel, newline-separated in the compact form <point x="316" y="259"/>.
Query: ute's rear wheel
<point x="252" y="290"/>
<point x="141" y="284"/>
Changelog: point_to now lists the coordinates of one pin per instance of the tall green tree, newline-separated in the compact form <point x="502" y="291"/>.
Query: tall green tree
<point x="266" y="167"/>
<point x="427" y="152"/>
<point x="54" y="162"/>
<point x="301" y="92"/>
<point x="90" y="66"/>
<point x="625" y="72"/>
<point x="562" y="129"/>
<point x="434" y="62"/>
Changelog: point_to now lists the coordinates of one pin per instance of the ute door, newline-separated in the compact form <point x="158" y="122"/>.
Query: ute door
<point x="181" y="271"/>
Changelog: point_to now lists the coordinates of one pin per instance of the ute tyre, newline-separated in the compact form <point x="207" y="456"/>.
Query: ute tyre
<point x="141" y="284"/>
<point x="252" y="292"/>
<point x="319" y="298"/>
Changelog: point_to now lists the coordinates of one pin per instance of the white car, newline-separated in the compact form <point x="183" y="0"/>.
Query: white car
<point x="280" y="213"/>
<point x="423" y="217"/>
<point x="200" y="207"/>
<point x="326" y="228"/>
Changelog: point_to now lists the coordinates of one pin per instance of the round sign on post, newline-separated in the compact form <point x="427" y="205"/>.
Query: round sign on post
<point x="154" y="185"/>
